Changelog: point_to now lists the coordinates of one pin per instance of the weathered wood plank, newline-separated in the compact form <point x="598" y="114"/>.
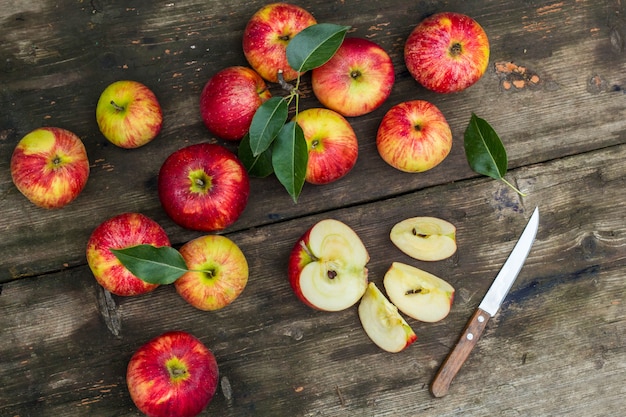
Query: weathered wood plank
<point x="55" y="59"/>
<point x="556" y="348"/>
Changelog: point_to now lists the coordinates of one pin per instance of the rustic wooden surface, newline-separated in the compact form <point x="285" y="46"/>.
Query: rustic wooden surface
<point x="558" y="346"/>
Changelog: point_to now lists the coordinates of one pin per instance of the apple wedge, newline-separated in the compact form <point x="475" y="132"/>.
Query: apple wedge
<point x="327" y="266"/>
<point x="417" y="293"/>
<point x="382" y="322"/>
<point x="425" y="238"/>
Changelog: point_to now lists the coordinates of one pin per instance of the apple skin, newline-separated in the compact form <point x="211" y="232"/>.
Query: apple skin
<point x="227" y="276"/>
<point x="356" y="80"/>
<point x="129" y="114"/>
<point x="331" y="142"/>
<point x="203" y="187"/>
<point x="447" y="52"/>
<point x="50" y="167"/>
<point x="119" y="232"/>
<point x="414" y="136"/>
<point x="174" y="374"/>
<point x="267" y="34"/>
<point x="229" y="100"/>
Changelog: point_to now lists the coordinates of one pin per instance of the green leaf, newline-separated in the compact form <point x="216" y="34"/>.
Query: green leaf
<point x="156" y="265"/>
<point x="257" y="166"/>
<point x="267" y="121"/>
<point x="315" y="45"/>
<point x="484" y="150"/>
<point x="289" y="158"/>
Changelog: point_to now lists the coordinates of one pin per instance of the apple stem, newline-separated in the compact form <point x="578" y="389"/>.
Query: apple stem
<point x="308" y="252"/>
<point x="284" y="84"/>
<point x="118" y="108"/>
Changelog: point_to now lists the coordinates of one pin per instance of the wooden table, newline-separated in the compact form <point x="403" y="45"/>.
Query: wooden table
<point x="557" y="347"/>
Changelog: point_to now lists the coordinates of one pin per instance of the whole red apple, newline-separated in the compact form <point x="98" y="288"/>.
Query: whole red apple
<point x="129" y="114"/>
<point x="447" y="52"/>
<point x="331" y="142"/>
<point x="356" y="80"/>
<point x="49" y="166"/>
<point x="224" y="272"/>
<point x="203" y="187"/>
<point x="119" y="232"/>
<point x="267" y="35"/>
<point x="230" y="99"/>
<point x="414" y="136"/>
<point x="174" y="374"/>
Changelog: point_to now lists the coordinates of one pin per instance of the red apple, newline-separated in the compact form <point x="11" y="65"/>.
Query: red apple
<point x="49" y="166"/>
<point x="119" y="232"/>
<point x="224" y="276"/>
<point x="414" y="136"/>
<point x="174" y="374"/>
<point x="447" y="52"/>
<point x="128" y="114"/>
<point x="203" y="187"/>
<point x="356" y="80"/>
<point x="230" y="99"/>
<point x="327" y="266"/>
<point x="331" y="142"/>
<point x="267" y="35"/>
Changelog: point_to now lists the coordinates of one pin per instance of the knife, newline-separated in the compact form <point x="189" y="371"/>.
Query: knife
<point x="487" y="308"/>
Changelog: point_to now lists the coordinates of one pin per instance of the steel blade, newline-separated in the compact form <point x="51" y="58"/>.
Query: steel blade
<point x="511" y="268"/>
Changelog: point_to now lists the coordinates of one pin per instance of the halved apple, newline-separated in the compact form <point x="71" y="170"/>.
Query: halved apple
<point x="425" y="238"/>
<point x="327" y="266"/>
<point x="382" y="322"/>
<point x="417" y="293"/>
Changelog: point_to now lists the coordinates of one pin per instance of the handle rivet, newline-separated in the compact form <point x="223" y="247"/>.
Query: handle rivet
<point x="481" y="319"/>
<point x="470" y="336"/>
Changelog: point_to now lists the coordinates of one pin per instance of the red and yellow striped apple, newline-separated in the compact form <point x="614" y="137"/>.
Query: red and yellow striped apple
<point x="49" y="166"/>
<point x="356" y="80"/>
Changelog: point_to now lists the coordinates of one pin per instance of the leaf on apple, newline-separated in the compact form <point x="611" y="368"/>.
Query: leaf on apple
<point x="315" y="45"/>
<point x="259" y="166"/>
<point x="289" y="158"/>
<point x="485" y="152"/>
<point x="269" y="118"/>
<point x="156" y="265"/>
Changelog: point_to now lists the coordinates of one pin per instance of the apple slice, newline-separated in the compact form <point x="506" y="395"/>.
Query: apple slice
<point x="327" y="266"/>
<point x="425" y="238"/>
<point x="417" y="293"/>
<point x="382" y="322"/>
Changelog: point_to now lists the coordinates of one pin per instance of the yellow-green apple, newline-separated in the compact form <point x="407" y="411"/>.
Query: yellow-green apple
<point x="447" y="52"/>
<point x="327" y="266"/>
<point x="229" y="100"/>
<point x="49" y="166"/>
<point x="414" y="136"/>
<point x="417" y="293"/>
<point x="425" y="238"/>
<point x="267" y="34"/>
<point x="203" y="187"/>
<point x="120" y="232"/>
<point x="129" y="114"/>
<point x="383" y="323"/>
<point x="356" y="80"/>
<point x="218" y="272"/>
<point x="331" y="142"/>
<point x="174" y="374"/>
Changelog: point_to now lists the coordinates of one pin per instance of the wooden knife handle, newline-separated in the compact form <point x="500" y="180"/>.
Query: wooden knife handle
<point x="451" y="365"/>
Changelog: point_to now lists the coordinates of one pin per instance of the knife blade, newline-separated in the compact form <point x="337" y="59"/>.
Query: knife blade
<point x="487" y="308"/>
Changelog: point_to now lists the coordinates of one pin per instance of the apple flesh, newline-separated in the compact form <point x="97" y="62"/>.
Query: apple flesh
<point x="129" y="114"/>
<point x="447" y="52"/>
<point x="414" y="136"/>
<point x="174" y="374"/>
<point x="229" y="100"/>
<point x="425" y="238"/>
<point x="49" y="166"/>
<point x="383" y="323"/>
<point x="120" y="232"/>
<point x="267" y="34"/>
<point x="356" y="80"/>
<point x="203" y="187"/>
<point x="417" y="293"/>
<point x="331" y="142"/>
<point x="327" y="266"/>
<point x="218" y="272"/>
